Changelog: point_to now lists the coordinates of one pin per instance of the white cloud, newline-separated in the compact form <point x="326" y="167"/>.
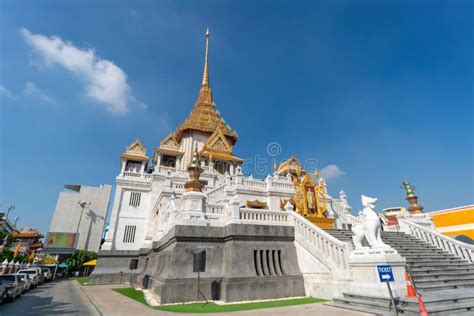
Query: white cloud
<point x="104" y="81"/>
<point x="4" y="91"/>
<point x="331" y="172"/>
<point x="32" y="90"/>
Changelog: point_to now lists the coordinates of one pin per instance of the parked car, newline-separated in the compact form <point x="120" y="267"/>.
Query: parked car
<point x="25" y="278"/>
<point x="40" y="274"/>
<point x="13" y="284"/>
<point x="33" y="273"/>
<point x="48" y="276"/>
<point x="3" y="293"/>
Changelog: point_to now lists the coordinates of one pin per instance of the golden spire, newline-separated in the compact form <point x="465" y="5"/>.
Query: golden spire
<point x="205" y="93"/>
<point x="205" y="76"/>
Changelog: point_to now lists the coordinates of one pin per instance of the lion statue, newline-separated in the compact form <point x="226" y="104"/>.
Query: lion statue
<point x="370" y="227"/>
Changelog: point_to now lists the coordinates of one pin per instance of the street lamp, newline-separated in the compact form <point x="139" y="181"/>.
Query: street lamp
<point x="82" y="204"/>
<point x="11" y="208"/>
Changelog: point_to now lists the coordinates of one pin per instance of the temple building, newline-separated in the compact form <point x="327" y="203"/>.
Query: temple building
<point x="186" y="218"/>
<point x="142" y="180"/>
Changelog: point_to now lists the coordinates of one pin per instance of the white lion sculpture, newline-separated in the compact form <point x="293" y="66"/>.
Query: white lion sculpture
<point x="370" y="226"/>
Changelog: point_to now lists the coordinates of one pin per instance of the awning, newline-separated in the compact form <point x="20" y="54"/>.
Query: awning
<point x="48" y="261"/>
<point x="90" y="263"/>
<point x="63" y="265"/>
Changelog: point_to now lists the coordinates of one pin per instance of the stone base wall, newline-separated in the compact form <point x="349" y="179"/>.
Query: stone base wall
<point x="243" y="263"/>
<point x="113" y="267"/>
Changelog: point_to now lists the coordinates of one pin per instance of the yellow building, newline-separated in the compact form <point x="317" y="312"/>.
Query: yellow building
<point x="455" y="222"/>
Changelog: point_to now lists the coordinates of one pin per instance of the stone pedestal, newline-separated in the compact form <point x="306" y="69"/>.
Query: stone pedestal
<point x="194" y="206"/>
<point x="365" y="279"/>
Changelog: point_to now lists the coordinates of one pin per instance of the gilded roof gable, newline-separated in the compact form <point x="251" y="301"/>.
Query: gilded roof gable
<point x="137" y="147"/>
<point x="217" y="142"/>
<point x="170" y="140"/>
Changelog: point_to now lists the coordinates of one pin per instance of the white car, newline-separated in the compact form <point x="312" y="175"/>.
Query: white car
<point x="34" y="275"/>
<point x="27" y="281"/>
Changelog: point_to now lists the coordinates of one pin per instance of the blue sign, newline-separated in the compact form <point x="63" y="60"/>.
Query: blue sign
<point x="385" y="273"/>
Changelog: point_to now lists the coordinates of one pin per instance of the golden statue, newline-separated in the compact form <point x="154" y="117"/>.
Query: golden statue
<point x="310" y="200"/>
<point x="309" y="194"/>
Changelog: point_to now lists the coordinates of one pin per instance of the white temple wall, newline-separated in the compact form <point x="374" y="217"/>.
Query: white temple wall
<point x="132" y="221"/>
<point x="109" y="242"/>
<point x="188" y="145"/>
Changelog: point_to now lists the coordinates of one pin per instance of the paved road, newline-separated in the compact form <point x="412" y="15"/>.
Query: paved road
<point x="63" y="297"/>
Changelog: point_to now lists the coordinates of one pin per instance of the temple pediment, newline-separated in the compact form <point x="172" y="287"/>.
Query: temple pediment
<point x="217" y="142"/>
<point x="170" y="141"/>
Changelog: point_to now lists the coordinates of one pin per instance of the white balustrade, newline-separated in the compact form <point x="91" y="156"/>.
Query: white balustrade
<point x="264" y="216"/>
<point x="137" y="176"/>
<point x="166" y="169"/>
<point x="254" y="183"/>
<point x="451" y="245"/>
<point x="391" y="228"/>
<point x="216" y="193"/>
<point x="282" y="185"/>
<point x="132" y="174"/>
<point x="332" y="252"/>
<point x="178" y="186"/>
<point x="339" y="209"/>
<point x="214" y="209"/>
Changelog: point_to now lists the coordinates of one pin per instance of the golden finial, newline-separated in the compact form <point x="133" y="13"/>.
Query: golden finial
<point x="316" y="173"/>
<point x="205" y="77"/>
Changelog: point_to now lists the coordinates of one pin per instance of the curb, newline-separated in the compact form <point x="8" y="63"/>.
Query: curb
<point x="89" y="298"/>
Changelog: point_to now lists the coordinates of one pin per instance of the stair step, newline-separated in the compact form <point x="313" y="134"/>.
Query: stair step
<point x="366" y="297"/>
<point x="443" y="309"/>
<point x="447" y="280"/>
<point x="441" y="285"/>
<point x="435" y="264"/>
<point x="358" y="308"/>
<point x="440" y="273"/>
<point x="426" y="269"/>
<point x="369" y="302"/>
<point x="414" y="303"/>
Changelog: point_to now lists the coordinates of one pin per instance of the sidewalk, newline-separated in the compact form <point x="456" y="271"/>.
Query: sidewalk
<point x="112" y="303"/>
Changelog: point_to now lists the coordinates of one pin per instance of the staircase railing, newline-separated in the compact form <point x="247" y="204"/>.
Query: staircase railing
<point x="329" y="250"/>
<point x="216" y="193"/>
<point x="451" y="245"/>
<point x="332" y="252"/>
<point x="341" y="212"/>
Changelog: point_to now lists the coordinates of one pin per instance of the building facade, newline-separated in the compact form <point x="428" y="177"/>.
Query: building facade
<point x="79" y="219"/>
<point x="457" y="222"/>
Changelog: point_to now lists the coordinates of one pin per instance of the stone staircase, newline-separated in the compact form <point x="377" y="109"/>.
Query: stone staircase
<point x="445" y="281"/>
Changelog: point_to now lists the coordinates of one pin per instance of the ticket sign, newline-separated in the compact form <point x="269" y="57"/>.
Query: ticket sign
<point x="385" y="273"/>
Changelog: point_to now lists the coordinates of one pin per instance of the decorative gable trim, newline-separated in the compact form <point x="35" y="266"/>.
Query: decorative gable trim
<point x="217" y="142"/>
<point x="170" y="141"/>
<point x="136" y="147"/>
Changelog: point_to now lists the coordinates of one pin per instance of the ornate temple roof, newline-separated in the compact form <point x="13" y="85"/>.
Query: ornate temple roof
<point x="135" y="151"/>
<point x="204" y="116"/>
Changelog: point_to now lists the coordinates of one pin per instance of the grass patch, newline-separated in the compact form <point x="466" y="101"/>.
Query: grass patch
<point x="132" y="293"/>
<point x="82" y="280"/>
<point x="214" y="308"/>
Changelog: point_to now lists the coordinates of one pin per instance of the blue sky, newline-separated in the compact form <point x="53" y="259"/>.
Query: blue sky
<point x="381" y="90"/>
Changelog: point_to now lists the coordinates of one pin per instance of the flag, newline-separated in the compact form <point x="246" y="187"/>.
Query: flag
<point x="17" y="250"/>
